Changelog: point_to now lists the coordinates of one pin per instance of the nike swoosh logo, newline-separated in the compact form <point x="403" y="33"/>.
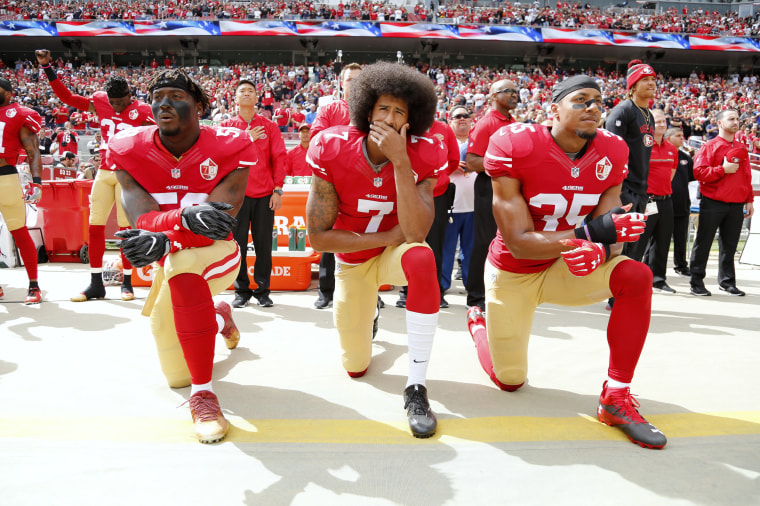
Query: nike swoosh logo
<point x="200" y="218"/>
<point x="419" y="361"/>
<point x="151" y="245"/>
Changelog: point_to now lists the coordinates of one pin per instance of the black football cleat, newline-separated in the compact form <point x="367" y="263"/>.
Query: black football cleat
<point x="422" y="421"/>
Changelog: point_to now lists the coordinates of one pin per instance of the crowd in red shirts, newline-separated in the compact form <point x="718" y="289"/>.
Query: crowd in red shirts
<point x="290" y="94"/>
<point x="562" y="14"/>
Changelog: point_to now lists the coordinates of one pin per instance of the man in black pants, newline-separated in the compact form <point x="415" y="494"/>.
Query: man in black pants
<point x="632" y="120"/>
<point x="723" y="171"/>
<point x="503" y="97"/>
<point x="681" y="201"/>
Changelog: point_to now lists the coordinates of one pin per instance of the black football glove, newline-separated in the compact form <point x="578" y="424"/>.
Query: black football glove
<point x="209" y="220"/>
<point x="142" y="247"/>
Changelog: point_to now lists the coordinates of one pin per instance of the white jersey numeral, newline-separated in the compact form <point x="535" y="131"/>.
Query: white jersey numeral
<point x="582" y="204"/>
<point x="382" y="208"/>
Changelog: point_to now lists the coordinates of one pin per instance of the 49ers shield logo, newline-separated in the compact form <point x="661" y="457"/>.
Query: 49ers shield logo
<point x="603" y="168"/>
<point x="133" y="114"/>
<point x="209" y="169"/>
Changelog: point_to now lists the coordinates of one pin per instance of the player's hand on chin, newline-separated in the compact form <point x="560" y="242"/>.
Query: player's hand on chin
<point x="390" y="142"/>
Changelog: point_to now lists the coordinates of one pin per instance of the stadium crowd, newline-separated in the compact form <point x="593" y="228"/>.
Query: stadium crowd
<point x="297" y="91"/>
<point x="562" y="14"/>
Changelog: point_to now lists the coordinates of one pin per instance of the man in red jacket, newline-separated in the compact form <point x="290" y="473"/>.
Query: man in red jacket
<point x="263" y="196"/>
<point x="723" y="171"/>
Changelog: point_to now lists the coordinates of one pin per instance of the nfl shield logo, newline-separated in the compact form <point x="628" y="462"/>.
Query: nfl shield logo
<point x="175" y="173"/>
<point x="575" y="171"/>
<point x="208" y="169"/>
<point x="378" y="182"/>
<point x="603" y="168"/>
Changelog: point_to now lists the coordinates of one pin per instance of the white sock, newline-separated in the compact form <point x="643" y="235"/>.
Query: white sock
<point x="194" y="389"/>
<point x="421" y="330"/>
<point x="611" y="383"/>
<point x="219" y="322"/>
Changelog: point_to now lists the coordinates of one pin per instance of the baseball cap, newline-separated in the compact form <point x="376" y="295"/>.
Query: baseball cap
<point x="304" y="125"/>
<point x="737" y="155"/>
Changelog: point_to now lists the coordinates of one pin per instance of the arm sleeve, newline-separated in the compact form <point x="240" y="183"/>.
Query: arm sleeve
<point x="67" y="97"/>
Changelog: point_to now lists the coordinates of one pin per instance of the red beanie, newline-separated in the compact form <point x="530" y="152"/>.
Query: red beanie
<point x="636" y="71"/>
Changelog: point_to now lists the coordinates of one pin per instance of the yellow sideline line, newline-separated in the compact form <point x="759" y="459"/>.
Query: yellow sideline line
<point x="483" y="430"/>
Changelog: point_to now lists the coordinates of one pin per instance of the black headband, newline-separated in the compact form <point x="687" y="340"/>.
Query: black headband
<point x="578" y="82"/>
<point x="180" y="82"/>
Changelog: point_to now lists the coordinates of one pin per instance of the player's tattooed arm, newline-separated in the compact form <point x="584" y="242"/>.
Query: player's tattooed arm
<point x="31" y="145"/>
<point x="134" y="198"/>
<point x="231" y="190"/>
<point x="321" y="211"/>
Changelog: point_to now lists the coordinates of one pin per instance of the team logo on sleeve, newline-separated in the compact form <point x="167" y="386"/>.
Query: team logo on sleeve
<point x="133" y="114"/>
<point x="603" y="168"/>
<point x="10" y="113"/>
<point x="209" y="169"/>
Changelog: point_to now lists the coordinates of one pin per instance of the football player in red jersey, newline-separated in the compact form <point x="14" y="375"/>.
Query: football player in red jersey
<point x="371" y="203"/>
<point x="182" y="166"/>
<point x="546" y="182"/>
<point x="116" y="110"/>
<point x="18" y="130"/>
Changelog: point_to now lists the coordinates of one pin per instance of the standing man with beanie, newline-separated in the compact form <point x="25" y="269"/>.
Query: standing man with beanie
<point x="116" y="110"/>
<point x="20" y="127"/>
<point x="632" y="120"/>
<point x="263" y="196"/>
<point x="723" y="171"/>
<point x="503" y="98"/>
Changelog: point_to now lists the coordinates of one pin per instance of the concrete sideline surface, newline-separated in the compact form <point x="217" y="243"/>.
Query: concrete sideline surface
<point x="87" y="419"/>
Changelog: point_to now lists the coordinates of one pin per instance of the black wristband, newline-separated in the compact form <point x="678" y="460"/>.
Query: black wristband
<point x="36" y="180"/>
<point x="602" y="229"/>
<point x="50" y="73"/>
<point x="607" y="250"/>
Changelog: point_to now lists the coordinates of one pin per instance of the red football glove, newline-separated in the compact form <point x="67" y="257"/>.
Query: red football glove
<point x="33" y="193"/>
<point x="585" y="257"/>
<point x="629" y="226"/>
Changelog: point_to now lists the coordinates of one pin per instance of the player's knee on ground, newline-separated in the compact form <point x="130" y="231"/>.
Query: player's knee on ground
<point x="630" y="279"/>
<point x="510" y="378"/>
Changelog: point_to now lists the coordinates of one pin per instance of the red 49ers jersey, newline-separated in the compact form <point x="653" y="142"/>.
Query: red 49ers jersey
<point x="111" y="122"/>
<point x="180" y="183"/>
<point x="12" y="118"/>
<point x="559" y="192"/>
<point x="367" y="200"/>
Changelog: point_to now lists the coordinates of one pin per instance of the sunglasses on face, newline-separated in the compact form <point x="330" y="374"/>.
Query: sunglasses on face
<point x="461" y="116"/>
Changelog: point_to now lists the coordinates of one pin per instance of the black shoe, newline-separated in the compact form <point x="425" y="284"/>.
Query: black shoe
<point x="444" y="304"/>
<point x="458" y="274"/>
<point x="700" y="291"/>
<point x="380" y="302"/>
<point x="663" y="288"/>
<point x="240" y="300"/>
<point x="732" y="290"/>
<point x="683" y="272"/>
<point x="376" y="322"/>
<point x="422" y="420"/>
<point x="401" y="302"/>
<point x="264" y="301"/>
<point x="323" y="302"/>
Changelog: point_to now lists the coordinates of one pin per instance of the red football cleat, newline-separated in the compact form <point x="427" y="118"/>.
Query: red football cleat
<point x="34" y="296"/>
<point x="617" y="408"/>
<point x="210" y="424"/>
<point x="230" y="331"/>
